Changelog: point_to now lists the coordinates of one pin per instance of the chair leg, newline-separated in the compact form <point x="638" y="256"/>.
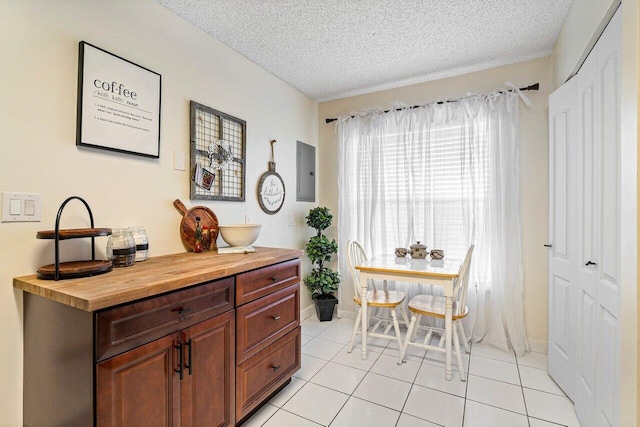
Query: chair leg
<point x="456" y="345"/>
<point x="396" y="327"/>
<point x="464" y="339"/>
<point x="405" y="318"/>
<point x="412" y="326"/>
<point x="415" y="330"/>
<point x="355" y="329"/>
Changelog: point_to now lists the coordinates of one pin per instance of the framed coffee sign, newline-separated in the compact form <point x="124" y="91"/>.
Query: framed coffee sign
<point x="118" y="104"/>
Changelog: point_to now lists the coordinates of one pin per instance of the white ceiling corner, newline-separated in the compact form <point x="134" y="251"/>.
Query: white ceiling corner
<point x="332" y="49"/>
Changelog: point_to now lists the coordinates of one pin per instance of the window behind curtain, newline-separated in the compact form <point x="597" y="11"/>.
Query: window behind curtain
<point x="426" y="188"/>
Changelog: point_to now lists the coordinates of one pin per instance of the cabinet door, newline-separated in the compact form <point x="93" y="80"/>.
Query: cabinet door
<point x="207" y="387"/>
<point x="139" y="388"/>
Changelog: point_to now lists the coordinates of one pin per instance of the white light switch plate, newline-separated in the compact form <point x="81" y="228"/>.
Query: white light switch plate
<point x="179" y="160"/>
<point x="21" y="207"/>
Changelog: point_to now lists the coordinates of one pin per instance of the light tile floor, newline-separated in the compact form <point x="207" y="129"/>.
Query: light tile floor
<point x="338" y="389"/>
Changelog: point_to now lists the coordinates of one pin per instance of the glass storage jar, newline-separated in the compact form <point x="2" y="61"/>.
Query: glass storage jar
<point x="121" y="247"/>
<point x="142" y="242"/>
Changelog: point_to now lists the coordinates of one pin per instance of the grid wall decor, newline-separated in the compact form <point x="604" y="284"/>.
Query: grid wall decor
<point x="218" y="158"/>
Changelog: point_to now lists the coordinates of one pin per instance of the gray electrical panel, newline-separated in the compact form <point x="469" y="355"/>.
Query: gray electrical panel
<point x="306" y="172"/>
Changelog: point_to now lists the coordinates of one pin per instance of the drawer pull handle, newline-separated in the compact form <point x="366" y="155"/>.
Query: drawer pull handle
<point x="180" y="369"/>
<point x="188" y="344"/>
<point x="275" y="368"/>
<point x="274" y="279"/>
<point x="181" y="310"/>
<point x="590" y="263"/>
<point x="275" y="317"/>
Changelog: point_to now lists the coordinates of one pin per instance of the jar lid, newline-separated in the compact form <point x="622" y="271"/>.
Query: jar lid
<point x="418" y="246"/>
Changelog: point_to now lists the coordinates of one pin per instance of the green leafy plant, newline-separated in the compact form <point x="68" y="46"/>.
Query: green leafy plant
<point x="322" y="281"/>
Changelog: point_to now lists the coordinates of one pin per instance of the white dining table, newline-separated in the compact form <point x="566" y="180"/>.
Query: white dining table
<point x="441" y="273"/>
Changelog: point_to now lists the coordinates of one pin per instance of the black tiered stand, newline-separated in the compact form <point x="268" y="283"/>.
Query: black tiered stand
<point x="68" y="270"/>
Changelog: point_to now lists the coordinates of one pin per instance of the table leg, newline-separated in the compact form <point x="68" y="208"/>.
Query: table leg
<point x="448" y="325"/>
<point x="365" y="319"/>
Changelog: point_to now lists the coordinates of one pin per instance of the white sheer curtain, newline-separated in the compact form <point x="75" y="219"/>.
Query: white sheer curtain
<point x="446" y="175"/>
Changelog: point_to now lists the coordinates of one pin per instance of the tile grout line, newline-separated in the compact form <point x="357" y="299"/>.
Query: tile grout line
<point x="524" y="400"/>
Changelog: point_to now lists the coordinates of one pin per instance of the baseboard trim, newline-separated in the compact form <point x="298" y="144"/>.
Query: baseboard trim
<point x="346" y="313"/>
<point x="538" y="346"/>
<point x="307" y="312"/>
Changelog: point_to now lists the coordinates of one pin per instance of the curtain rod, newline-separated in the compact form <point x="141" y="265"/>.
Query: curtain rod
<point x="535" y="86"/>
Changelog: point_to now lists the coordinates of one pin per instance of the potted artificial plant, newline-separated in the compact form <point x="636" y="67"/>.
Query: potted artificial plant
<point x="322" y="282"/>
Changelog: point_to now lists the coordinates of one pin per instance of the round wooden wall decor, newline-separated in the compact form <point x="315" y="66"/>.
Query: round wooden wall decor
<point x="271" y="190"/>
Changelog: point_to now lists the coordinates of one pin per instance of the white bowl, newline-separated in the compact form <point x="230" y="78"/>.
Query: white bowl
<point x="240" y="234"/>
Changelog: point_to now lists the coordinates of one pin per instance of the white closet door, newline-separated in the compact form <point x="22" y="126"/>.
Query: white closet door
<point x="607" y="170"/>
<point x="587" y="227"/>
<point x="562" y="234"/>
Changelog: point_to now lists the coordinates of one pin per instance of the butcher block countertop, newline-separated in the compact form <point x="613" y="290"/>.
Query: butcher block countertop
<point x="154" y="276"/>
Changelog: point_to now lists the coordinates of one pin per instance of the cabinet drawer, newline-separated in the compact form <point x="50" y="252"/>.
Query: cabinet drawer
<point x="263" y="281"/>
<point x="263" y="321"/>
<point x="128" y="326"/>
<point x="263" y="373"/>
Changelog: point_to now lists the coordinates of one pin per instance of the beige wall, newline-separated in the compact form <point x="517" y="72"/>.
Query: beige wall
<point x="533" y="164"/>
<point x="584" y="23"/>
<point x="39" y="57"/>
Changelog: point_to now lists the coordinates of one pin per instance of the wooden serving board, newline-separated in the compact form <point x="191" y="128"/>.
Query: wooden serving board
<point x="188" y="224"/>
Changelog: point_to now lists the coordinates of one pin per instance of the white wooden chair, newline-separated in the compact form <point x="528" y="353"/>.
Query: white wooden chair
<point x="375" y="298"/>
<point x="434" y="306"/>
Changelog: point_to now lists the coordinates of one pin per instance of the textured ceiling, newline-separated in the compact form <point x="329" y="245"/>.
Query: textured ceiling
<point x="330" y="49"/>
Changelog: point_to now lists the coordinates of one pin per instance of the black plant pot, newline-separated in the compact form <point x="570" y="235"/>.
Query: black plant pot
<point x="325" y="305"/>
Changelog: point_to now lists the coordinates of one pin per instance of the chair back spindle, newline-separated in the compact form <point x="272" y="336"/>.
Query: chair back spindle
<point x="355" y="256"/>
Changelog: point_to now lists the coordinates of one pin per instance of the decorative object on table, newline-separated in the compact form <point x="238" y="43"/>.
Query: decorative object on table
<point x="142" y="242"/>
<point x="322" y="282"/>
<point x="188" y="224"/>
<point x="271" y="190"/>
<point x="121" y="247"/>
<point x="218" y="163"/>
<point x="437" y="254"/>
<point x="401" y="252"/>
<point x="197" y="246"/>
<point x="418" y="251"/>
<point x="206" y="238"/>
<point x="68" y="270"/>
<point x="118" y="104"/>
<point x="240" y="235"/>
<point x="236" y="250"/>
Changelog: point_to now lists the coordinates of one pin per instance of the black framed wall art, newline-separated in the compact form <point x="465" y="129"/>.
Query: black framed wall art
<point x="218" y="150"/>
<point x="118" y="104"/>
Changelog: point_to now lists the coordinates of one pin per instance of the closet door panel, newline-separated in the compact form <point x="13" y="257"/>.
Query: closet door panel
<point x="562" y="235"/>
<point x="607" y="396"/>
<point x="588" y="134"/>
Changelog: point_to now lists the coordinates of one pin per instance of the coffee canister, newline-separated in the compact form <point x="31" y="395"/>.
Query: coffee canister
<point x="142" y="242"/>
<point x="121" y="247"/>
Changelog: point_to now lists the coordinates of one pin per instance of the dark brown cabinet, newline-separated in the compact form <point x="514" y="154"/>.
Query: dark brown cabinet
<point x="191" y="356"/>
<point x="140" y="387"/>
<point x="184" y="379"/>
<point x="267" y="333"/>
<point x="207" y="388"/>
